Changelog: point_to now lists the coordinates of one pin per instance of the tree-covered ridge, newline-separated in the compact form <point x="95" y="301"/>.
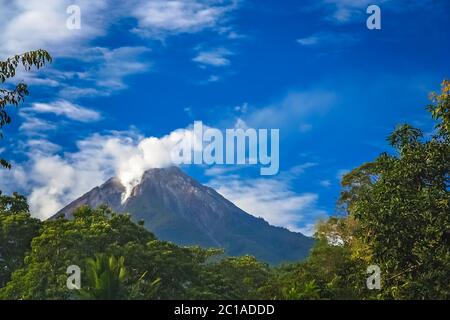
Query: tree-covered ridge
<point x="145" y="268"/>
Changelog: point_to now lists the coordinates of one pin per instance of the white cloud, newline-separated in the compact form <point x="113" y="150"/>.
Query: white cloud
<point x="321" y="39"/>
<point x="292" y="111"/>
<point x="325" y="183"/>
<point x="217" y="170"/>
<point x="32" y="24"/>
<point x="213" y="78"/>
<point x="298" y="170"/>
<point x="161" y="17"/>
<point x="343" y="11"/>
<point x="217" y="57"/>
<point x="32" y="125"/>
<point x="41" y="146"/>
<point x="309" y="41"/>
<point x="37" y="77"/>
<point x="243" y="108"/>
<point x="67" y="109"/>
<point x="271" y="199"/>
<point x="347" y="11"/>
<point x="13" y="180"/>
<point x="71" y="92"/>
<point x="116" y="64"/>
<point x="104" y="71"/>
<point x="148" y="153"/>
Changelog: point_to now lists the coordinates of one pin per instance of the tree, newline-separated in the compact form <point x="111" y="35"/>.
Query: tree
<point x="234" y="278"/>
<point x="17" y="95"/>
<point x="62" y="243"/>
<point x="401" y="203"/>
<point x="440" y="109"/>
<point x="330" y="272"/>
<point x="17" y="229"/>
<point x="146" y="268"/>
<point x="105" y="278"/>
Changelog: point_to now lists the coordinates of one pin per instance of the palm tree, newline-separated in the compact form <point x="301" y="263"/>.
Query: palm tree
<point x="105" y="277"/>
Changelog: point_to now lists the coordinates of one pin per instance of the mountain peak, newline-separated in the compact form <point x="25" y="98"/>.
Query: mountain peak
<point x="113" y="183"/>
<point x="166" y="175"/>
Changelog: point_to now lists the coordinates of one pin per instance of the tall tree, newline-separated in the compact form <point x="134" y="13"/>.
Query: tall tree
<point x="401" y="203"/>
<point x="17" y="229"/>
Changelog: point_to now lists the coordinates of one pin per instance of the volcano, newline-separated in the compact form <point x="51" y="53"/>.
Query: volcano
<point x="177" y="208"/>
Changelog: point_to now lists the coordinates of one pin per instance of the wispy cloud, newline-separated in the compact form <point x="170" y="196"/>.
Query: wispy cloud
<point x="73" y="92"/>
<point x="112" y="66"/>
<point x="325" y="183"/>
<point x="348" y="11"/>
<point x="33" y="126"/>
<point x="102" y="72"/>
<point x="344" y="11"/>
<point x="218" y="57"/>
<point x="213" y="78"/>
<point x="292" y="112"/>
<point x="41" y="146"/>
<point x="67" y="109"/>
<point x="321" y="39"/>
<point x="218" y="170"/>
<point x="272" y="199"/>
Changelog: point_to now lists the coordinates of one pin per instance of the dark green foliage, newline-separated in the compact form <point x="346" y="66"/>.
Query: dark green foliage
<point x="146" y="268"/>
<point x="105" y="277"/>
<point x="17" y="229"/>
<point x="235" y="278"/>
<point x="329" y="273"/>
<point x="62" y="243"/>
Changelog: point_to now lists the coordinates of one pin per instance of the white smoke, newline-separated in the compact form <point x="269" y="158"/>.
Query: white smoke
<point x="147" y="154"/>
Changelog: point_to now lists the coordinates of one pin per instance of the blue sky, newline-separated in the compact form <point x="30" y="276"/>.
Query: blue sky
<point x="140" y="69"/>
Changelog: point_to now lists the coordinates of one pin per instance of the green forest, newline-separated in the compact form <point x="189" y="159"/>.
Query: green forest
<point x="393" y="212"/>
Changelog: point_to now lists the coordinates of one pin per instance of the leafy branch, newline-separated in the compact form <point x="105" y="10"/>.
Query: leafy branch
<point x="8" y="68"/>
